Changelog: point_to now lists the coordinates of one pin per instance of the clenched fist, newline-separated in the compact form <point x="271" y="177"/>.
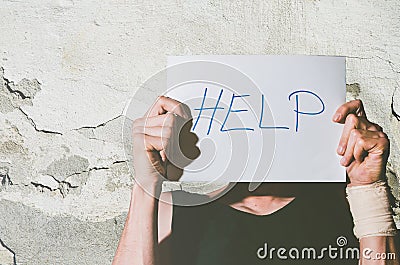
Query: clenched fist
<point x="162" y="142"/>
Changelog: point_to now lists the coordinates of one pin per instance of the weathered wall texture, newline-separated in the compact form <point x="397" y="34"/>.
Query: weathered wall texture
<point x="68" y="68"/>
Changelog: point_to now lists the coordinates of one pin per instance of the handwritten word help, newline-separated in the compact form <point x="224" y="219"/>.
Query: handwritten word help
<point x="295" y="96"/>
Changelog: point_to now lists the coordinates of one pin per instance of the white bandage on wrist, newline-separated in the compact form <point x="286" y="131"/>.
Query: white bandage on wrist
<point x="370" y="207"/>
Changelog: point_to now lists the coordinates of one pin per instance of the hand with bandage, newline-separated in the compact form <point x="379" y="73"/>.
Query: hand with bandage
<point x="364" y="148"/>
<point x="363" y="145"/>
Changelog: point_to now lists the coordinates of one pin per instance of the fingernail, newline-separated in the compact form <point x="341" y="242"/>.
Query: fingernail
<point x="336" y="117"/>
<point x="340" y="150"/>
<point x="343" y="161"/>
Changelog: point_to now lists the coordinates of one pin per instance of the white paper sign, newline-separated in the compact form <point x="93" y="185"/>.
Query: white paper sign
<point x="262" y="118"/>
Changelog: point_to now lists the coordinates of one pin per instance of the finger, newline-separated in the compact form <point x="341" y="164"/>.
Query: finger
<point x="163" y="155"/>
<point x="357" y="138"/>
<point x="359" y="152"/>
<point x="355" y="122"/>
<point x="348" y="155"/>
<point x="165" y="104"/>
<point x="159" y="131"/>
<point x="352" y="122"/>
<point x="352" y="107"/>
<point x="167" y="119"/>
<point x="149" y="143"/>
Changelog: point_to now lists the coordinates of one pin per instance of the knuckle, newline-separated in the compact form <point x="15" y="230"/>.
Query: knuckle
<point x="358" y="102"/>
<point x="136" y="122"/>
<point x="382" y="134"/>
<point x="164" y="99"/>
<point x="384" y="142"/>
<point x="169" y="119"/>
<point x="352" y="119"/>
<point x="374" y="126"/>
<point x="138" y="137"/>
<point x="167" y="131"/>
<point x="164" y="142"/>
<point x="361" y="141"/>
<point x="157" y="103"/>
<point x="137" y="129"/>
<point x="161" y="98"/>
<point x="348" y="156"/>
<point x="355" y="133"/>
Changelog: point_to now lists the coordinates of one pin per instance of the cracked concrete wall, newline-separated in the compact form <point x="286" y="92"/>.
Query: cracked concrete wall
<point x="68" y="68"/>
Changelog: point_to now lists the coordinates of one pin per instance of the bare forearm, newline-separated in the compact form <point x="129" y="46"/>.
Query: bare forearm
<point x="379" y="250"/>
<point x="139" y="240"/>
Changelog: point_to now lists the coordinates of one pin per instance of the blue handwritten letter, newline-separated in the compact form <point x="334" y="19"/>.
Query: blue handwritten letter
<point x="303" y="112"/>
<point x="262" y="115"/>
<point x="234" y="111"/>
<point x="212" y="108"/>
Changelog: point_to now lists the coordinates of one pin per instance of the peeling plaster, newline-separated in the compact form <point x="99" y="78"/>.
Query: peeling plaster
<point x="11" y="147"/>
<point x="65" y="167"/>
<point x="16" y="95"/>
<point x="25" y="89"/>
<point x="354" y="90"/>
<point x="7" y="256"/>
